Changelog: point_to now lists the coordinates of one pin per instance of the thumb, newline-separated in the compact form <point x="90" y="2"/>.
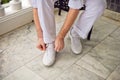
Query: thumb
<point x="56" y="47"/>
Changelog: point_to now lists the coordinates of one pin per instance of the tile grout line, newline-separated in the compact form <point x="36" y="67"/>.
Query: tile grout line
<point x="63" y="71"/>
<point x="96" y="73"/>
<point x="112" y="71"/>
<point x="112" y="36"/>
<point x="20" y="67"/>
<point x="35" y="73"/>
<point x="90" y="71"/>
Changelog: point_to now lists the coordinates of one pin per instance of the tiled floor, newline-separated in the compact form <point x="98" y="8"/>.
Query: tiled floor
<point x="100" y="59"/>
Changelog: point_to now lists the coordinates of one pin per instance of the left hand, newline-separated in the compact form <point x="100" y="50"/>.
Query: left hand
<point x="59" y="43"/>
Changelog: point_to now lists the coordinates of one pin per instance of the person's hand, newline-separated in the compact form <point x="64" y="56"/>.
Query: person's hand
<point x="59" y="43"/>
<point x="41" y="45"/>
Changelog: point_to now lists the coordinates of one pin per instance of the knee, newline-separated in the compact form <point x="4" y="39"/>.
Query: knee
<point x="46" y="3"/>
<point x="98" y="6"/>
<point x="101" y="5"/>
<point x="75" y="4"/>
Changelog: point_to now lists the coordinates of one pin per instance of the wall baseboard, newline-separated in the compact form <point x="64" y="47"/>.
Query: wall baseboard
<point x="112" y="15"/>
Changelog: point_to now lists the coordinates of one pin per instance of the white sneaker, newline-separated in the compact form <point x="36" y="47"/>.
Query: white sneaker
<point x="49" y="56"/>
<point x="76" y="45"/>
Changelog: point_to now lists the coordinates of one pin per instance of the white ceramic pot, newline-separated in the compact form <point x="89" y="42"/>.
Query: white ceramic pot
<point x="15" y="5"/>
<point x="29" y="2"/>
<point x="2" y="11"/>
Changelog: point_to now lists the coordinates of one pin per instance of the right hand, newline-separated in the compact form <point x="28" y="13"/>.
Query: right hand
<point x="41" y="45"/>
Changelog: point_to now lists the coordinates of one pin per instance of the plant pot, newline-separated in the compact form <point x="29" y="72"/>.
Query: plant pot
<point x="2" y="11"/>
<point x="15" y="5"/>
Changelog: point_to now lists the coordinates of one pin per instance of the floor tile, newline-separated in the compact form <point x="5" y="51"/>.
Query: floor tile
<point x="103" y="59"/>
<point x="16" y="50"/>
<point x="23" y="74"/>
<point x="76" y="72"/>
<point x="116" y="34"/>
<point x="101" y="31"/>
<point x="110" y="21"/>
<point x="115" y="75"/>
<point x="16" y="36"/>
<point x="48" y="73"/>
<point x="60" y="18"/>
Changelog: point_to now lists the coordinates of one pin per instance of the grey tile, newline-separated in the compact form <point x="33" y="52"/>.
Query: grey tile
<point x="76" y="72"/>
<point x="100" y="32"/>
<point x="58" y="27"/>
<point x="103" y="59"/>
<point x="23" y="74"/>
<point x="46" y="72"/>
<point x="93" y="65"/>
<point x="18" y="56"/>
<point x="100" y="21"/>
<point x="2" y="61"/>
<point x="60" y="18"/>
<point x="16" y="36"/>
<point x="115" y="75"/>
<point x="17" y="50"/>
<point x="30" y="32"/>
<point x="116" y="34"/>
<point x="110" y="21"/>
<point x="1" y="51"/>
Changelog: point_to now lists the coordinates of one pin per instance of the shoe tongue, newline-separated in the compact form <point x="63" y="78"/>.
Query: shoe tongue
<point x="50" y="48"/>
<point x="50" y="45"/>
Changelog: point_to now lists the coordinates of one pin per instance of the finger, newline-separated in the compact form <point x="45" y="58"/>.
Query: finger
<point x="44" y="47"/>
<point x="39" y="47"/>
<point x="56" y="47"/>
<point x="60" y="48"/>
<point x="57" y="50"/>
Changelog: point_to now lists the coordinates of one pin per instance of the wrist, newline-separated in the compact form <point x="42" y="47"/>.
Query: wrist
<point x="60" y="36"/>
<point x="40" y="38"/>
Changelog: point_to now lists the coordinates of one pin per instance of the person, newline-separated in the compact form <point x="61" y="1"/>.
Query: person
<point x="43" y="12"/>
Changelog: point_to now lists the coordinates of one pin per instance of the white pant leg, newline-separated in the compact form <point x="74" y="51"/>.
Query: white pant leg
<point x="47" y="19"/>
<point x="76" y="4"/>
<point x="94" y="9"/>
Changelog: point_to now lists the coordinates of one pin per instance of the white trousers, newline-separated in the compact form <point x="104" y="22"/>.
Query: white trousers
<point x="94" y="9"/>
